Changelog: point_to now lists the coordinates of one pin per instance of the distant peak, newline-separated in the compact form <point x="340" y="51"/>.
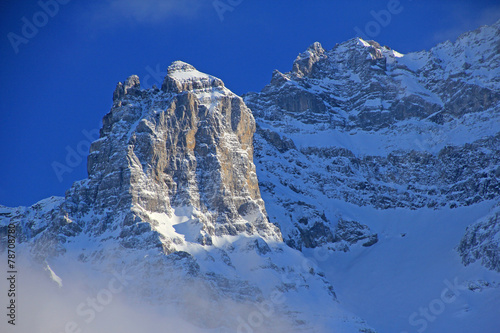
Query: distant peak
<point x="375" y="50"/>
<point x="305" y="61"/>
<point x="131" y="85"/>
<point x="132" y="82"/>
<point x="360" y="42"/>
<point x="316" y="48"/>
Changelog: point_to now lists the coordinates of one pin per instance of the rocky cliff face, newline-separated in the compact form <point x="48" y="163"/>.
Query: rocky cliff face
<point x="365" y="124"/>
<point x="362" y="85"/>
<point x="187" y="147"/>
<point x="183" y="150"/>
<point x="482" y="241"/>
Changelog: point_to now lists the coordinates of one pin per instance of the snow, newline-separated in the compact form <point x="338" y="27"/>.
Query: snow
<point x="363" y="42"/>
<point x="354" y="77"/>
<point x="191" y="75"/>
<point x="415" y="61"/>
<point x="411" y="134"/>
<point x="54" y="276"/>
<point x="180" y="225"/>
<point x="386" y="283"/>
<point x="412" y="86"/>
<point x="49" y="203"/>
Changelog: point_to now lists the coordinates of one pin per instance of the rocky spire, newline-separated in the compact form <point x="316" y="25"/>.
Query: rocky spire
<point x="131" y="85"/>
<point x="304" y="62"/>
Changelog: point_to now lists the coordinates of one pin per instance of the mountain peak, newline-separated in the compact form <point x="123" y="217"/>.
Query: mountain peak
<point x="187" y="146"/>
<point x="316" y="48"/>
<point x="180" y="66"/>
<point x="184" y="77"/>
<point x="305" y="61"/>
<point x="131" y="85"/>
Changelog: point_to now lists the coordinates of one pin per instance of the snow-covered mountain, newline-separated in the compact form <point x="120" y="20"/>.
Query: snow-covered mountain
<point x="367" y="125"/>
<point x="358" y="192"/>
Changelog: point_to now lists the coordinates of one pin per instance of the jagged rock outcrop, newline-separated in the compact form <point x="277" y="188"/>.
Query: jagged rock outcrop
<point x="362" y="85"/>
<point x="304" y="62"/>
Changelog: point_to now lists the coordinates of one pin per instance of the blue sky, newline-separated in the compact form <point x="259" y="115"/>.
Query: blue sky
<point x="57" y="79"/>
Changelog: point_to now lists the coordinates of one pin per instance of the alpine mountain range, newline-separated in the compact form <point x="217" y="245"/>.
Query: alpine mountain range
<point x="358" y="192"/>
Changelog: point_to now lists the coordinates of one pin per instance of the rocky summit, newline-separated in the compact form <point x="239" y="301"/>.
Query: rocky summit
<point x="347" y="194"/>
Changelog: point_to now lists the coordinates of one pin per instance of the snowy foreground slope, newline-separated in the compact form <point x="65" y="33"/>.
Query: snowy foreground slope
<point x="372" y="205"/>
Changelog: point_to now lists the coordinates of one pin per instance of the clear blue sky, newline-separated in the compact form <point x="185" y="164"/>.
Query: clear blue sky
<point x="58" y="80"/>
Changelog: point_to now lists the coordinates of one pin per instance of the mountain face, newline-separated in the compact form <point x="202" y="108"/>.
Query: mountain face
<point x="365" y="124"/>
<point x="187" y="147"/>
<point x="291" y="209"/>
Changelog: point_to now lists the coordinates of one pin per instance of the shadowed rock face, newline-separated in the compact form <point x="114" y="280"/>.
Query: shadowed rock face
<point x="311" y="118"/>
<point x="482" y="242"/>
